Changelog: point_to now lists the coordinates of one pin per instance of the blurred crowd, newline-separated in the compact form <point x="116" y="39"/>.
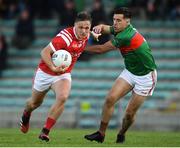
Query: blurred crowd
<point x="156" y="9"/>
<point x="3" y="53"/>
<point x="25" y="11"/>
<point x="45" y="9"/>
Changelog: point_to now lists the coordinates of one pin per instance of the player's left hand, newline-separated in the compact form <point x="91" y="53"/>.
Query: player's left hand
<point x="95" y="35"/>
<point x="62" y="68"/>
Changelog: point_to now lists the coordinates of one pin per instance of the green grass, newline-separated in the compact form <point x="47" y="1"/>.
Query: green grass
<point x="74" y="138"/>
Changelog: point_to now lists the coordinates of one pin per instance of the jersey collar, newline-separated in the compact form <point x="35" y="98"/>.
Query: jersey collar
<point x="74" y="31"/>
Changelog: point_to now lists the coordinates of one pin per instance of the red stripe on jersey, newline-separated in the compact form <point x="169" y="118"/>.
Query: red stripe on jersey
<point x="135" y="43"/>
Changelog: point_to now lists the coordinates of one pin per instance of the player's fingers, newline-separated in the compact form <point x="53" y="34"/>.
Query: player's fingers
<point x="62" y="68"/>
<point x="97" y="30"/>
<point x="95" y="35"/>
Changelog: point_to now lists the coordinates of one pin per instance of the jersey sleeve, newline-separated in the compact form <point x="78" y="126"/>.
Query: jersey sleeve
<point x="61" y="41"/>
<point x="57" y="43"/>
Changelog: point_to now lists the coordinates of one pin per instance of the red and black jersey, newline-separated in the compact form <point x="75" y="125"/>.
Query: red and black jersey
<point x="66" y="40"/>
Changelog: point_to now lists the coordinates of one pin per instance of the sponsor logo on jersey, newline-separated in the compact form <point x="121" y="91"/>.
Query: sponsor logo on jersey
<point x="77" y="45"/>
<point x="75" y="55"/>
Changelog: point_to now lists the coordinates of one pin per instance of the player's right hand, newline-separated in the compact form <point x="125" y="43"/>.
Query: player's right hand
<point x="95" y="35"/>
<point x="59" y="69"/>
<point x="97" y="29"/>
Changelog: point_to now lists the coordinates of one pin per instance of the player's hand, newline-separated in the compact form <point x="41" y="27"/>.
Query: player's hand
<point x="60" y="69"/>
<point x="96" y="32"/>
<point x="95" y="35"/>
<point x="98" y="29"/>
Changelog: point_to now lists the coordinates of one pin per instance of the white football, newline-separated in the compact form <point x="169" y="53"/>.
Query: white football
<point x="61" y="57"/>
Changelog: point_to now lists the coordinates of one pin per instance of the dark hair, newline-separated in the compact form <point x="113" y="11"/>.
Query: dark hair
<point x="123" y="10"/>
<point x="83" y="16"/>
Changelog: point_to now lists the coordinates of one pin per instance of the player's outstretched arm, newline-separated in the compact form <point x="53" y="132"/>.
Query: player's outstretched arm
<point x="95" y="35"/>
<point x="108" y="46"/>
<point x="101" y="29"/>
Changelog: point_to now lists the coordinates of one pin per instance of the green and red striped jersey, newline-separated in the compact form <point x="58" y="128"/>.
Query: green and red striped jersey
<point x="135" y="50"/>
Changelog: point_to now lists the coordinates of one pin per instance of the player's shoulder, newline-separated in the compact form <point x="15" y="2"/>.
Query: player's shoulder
<point x="66" y="35"/>
<point x="128" y="32"/>
<point x="68" y="30"/>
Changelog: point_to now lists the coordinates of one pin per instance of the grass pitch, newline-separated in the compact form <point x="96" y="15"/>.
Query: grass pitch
<point x="75" y="138"/>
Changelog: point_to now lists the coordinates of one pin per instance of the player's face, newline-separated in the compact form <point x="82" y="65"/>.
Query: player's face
<point x="82" y="29"/>
<point x="119" y="22"/>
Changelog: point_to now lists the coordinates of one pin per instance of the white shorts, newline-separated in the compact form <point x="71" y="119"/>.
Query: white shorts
<point x="142" y="85"/>
<point x="43" y="81"/>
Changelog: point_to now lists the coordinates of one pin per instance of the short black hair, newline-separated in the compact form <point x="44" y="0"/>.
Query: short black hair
<point x="83" y="16"/>
<point x="123" y="10"/>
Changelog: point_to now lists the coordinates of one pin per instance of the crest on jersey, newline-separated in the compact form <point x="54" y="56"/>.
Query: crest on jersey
<point x="77" y="45"/>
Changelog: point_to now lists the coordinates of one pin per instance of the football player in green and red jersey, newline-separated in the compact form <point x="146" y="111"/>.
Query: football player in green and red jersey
<point x="139" y="75"/>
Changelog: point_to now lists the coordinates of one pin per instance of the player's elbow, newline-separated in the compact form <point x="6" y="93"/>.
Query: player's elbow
<point x="45" y="52"/>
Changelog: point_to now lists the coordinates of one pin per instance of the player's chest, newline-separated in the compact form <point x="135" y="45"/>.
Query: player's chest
<point x="77" y="47"/>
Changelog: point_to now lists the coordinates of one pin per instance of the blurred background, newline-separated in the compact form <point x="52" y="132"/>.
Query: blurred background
<point x="27" y="26"/>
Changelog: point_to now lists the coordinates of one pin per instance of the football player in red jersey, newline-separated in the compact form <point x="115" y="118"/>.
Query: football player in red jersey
<point x="48" y="76"/>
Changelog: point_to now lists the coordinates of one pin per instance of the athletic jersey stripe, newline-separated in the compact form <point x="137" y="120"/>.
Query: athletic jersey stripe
<point x="52" y="47"/>
<point x="67" y="33"/>
<point x="75" y="33"/>
<point x="64" y="33"/>
<point x="137" y="40"/>
<point x="64" y="38"/>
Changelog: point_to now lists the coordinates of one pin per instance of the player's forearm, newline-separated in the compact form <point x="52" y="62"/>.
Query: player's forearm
<point x="46" y="57"/>
<point x="105" y="29"/>
<point x="95" y="49"/>
<point x="108" y="46"/>
<point x="101" y="29"/>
